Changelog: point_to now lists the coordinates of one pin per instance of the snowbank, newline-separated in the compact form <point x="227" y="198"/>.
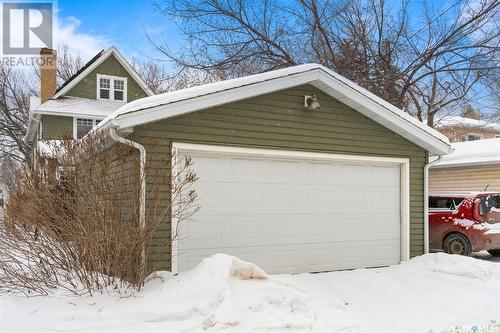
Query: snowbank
<point x="456" y="265"/>
<point x="434" y="292"/>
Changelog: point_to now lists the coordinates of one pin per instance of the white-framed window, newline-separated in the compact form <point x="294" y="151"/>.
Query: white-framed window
<point x="82" y="126"/>
<point x="112" y="88"/>
<point x="474" y="137"/>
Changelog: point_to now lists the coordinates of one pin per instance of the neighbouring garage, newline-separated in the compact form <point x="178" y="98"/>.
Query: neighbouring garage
<point x="300" y="170"/>
<point x="292" y="212"/>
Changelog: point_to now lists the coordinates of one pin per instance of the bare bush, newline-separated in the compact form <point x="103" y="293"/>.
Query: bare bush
<point x="74" y="222"/>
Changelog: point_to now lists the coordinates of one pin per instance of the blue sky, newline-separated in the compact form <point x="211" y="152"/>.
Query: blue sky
<point x="89" y="25"/>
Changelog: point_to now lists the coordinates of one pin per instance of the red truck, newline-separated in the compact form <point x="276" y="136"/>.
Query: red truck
<point x="464" y="222"/>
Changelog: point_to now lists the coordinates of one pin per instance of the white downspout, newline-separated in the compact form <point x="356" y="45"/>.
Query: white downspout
<point x="426" y="202"/>
<point x="142" y="179"/>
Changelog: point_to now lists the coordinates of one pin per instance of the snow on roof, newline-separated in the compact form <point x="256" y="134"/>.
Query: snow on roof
<point x="457" y="121"/>
<point x="153" y="108"/>
<point x="477" y="152"/>
<point x="207" y="89"/>
<point x="78" y="106"/>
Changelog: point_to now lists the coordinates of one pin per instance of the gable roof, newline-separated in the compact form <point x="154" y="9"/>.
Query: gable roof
<point x="470" y="113"/>
<point x="96" y="61"/>
<point x="154" y="108"/>
<point x="74" y="76"/>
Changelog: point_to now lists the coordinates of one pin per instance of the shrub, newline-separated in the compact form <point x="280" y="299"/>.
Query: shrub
<point x="73" y="221"/>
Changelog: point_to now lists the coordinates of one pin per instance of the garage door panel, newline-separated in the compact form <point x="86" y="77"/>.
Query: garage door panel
<point x="321" y="197"/>
<point x="268" y="230"/>
<point x="294" y="215"/>
<point x="354" y="174"/>
<point x="324" y="173"/>
<point x="208" y="230"/>
<point x="211" y="198"/>
<point x="247" y="229"/>
<point x="283" y="172"/>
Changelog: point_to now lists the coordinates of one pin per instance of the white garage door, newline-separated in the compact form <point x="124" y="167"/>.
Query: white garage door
<point x="289" y="214"/>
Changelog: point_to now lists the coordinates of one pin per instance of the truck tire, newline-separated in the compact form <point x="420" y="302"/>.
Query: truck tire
<point x="456" y="243"/>
<point x="494" y="252"/>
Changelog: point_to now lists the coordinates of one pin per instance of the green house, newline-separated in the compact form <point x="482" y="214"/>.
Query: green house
<point x="101" y="86"/>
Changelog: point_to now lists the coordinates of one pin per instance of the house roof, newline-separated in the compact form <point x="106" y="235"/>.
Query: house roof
<point x="465" y="122"/>
<point x="153" y="108"/>
<point x="74" y="76"/>
<point x="471" y="153"/>
<point x="71" y="106"/>
<point x="96" y="61"/>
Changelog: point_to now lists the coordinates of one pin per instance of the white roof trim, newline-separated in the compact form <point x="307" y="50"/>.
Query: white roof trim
<point x="104" y="56"/>
<point x="150" y="109"/>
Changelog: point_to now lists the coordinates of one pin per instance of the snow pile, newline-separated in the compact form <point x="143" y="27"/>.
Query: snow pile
<point x="230" y="292"/>
<point x="457" y="265"/>
<point x="430" y="293"/>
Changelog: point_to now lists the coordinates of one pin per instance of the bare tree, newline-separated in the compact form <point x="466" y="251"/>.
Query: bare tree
<point x="161" y="81"/>
<point x="67" y="64"/>
<point x="424" y="67"/>
<point x="16" y="88"/>
<point x="154" y="75"/>
<point x="15" y="91"/>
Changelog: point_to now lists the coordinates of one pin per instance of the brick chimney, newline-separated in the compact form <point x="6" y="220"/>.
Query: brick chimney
<point x="48" y="62"/>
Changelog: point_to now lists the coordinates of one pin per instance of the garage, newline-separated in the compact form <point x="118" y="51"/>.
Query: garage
<point x="294" y="212"/>
<point x="301" y="170"/>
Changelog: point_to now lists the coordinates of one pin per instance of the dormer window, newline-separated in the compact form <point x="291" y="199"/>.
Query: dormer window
<point x="111" y="88"/>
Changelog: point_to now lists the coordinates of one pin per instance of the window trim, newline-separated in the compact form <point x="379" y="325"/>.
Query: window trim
<point x="112" y="79"/>
<point x="481" y="137"/>
<point x="94" y="120"/>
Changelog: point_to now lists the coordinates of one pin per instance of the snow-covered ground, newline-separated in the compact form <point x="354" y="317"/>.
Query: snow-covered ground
<point x="431" y="293"/>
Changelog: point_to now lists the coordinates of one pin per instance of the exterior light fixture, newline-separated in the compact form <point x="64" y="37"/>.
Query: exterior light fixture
<point x="311" y="102"/>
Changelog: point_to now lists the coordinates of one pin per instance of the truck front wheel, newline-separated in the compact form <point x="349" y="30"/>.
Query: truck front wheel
<point x="457" y="244"/>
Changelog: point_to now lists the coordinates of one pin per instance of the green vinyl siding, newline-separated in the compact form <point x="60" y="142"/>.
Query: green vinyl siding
<point x="87" y="87"/>
<point x="278" y="121"/>
<point x="57" y="127"/>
